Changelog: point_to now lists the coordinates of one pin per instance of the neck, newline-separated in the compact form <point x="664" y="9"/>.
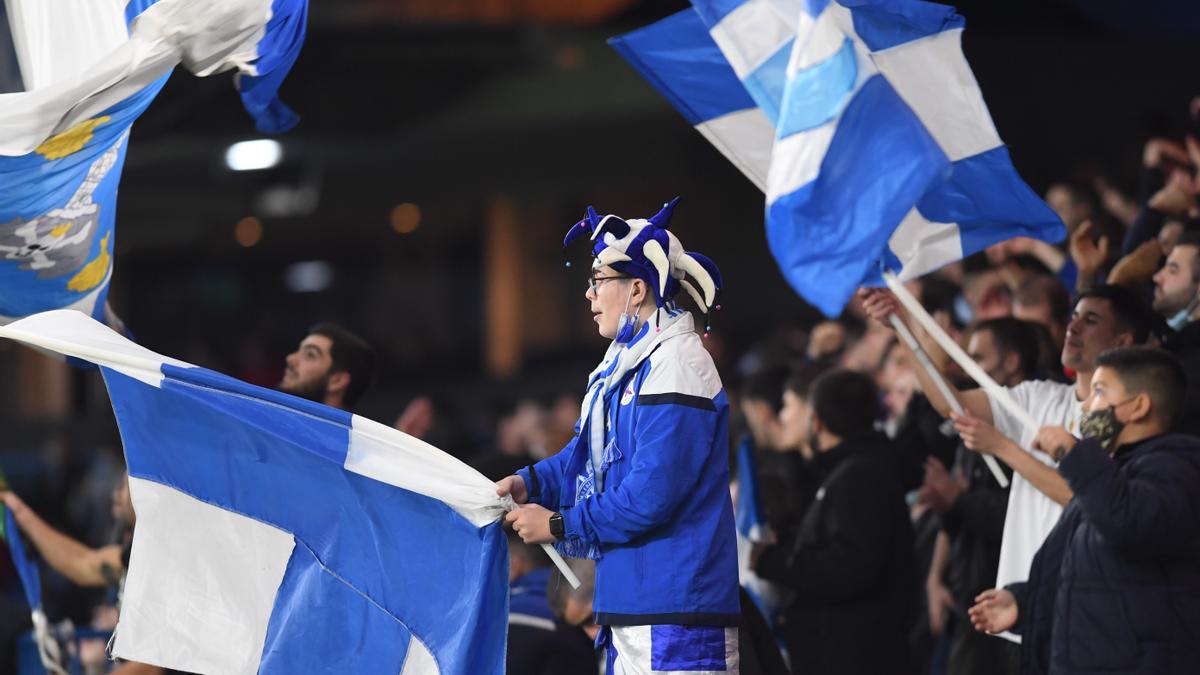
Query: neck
<point x="827" y="441"/>
<point x="1083" y="384"/>
<point x="645" y="313"/>
<point x="1137" y="432"/>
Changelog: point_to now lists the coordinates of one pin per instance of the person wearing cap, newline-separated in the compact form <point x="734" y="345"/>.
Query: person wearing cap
<point x="643" y="487"/>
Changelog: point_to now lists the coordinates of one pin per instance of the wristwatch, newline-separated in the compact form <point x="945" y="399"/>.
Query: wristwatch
<point x="556" y="526"/>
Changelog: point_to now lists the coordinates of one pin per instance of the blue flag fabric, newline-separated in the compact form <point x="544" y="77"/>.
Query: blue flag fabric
<point x="276" y="535"/>
<point x="679" y="58"/>
<point x="277" y="52"/>
<point x="748" y="515"/>
<point x="884" y="155"/>
<point x="753" y="529"/>
<point x="63" y="142"/>
<point x="57" y="212"/>
<point x="27" y="570"/>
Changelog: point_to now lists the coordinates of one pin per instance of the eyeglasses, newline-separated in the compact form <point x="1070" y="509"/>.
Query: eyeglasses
<point x="594" y="281"/>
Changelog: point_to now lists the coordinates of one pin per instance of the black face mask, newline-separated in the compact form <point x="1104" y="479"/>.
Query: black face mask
<point x="1102" y="425"/>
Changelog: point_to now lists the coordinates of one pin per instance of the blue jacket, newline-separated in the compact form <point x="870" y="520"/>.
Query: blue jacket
<point x="663" y="523"/>
<point x="1115" y="588"/>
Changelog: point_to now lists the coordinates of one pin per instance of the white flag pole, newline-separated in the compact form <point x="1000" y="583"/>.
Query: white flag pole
<point x="911" y="340"/>
<point x="561" y="565"/>
<point x="994" y="390"/>
<point x="509" y="505"/>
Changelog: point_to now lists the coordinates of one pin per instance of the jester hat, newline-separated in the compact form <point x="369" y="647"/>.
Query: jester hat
<point x="646" y="249"/>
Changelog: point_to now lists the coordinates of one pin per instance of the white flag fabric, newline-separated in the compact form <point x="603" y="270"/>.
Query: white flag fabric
<point x="277" y="535"/>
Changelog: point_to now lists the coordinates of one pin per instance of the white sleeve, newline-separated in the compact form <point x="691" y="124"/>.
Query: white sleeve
<point x="1005" y="421"/>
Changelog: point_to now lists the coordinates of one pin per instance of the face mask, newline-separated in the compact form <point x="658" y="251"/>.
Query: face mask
<point x="963" y="311"/>
<point x="1102" y="426"/>
<point x="1183" y="316"/>
<point x="1181" y="319"/>
<point x="627" y="324"/>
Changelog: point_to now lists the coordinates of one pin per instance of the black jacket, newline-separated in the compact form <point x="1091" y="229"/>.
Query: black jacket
<point x="1185" y="345"/>
<point x="975" y="525"/>
<point x="1122" y="565"/>
<point x="851" y="565"/>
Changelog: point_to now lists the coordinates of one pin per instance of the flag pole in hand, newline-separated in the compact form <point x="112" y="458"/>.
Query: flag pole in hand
<point x="911" y="340"/>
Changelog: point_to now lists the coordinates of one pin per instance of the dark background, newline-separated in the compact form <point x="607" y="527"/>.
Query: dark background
<point x="473" y="108"/>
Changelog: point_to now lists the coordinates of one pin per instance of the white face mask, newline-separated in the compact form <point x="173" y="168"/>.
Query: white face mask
<point x="1180" y="319"/>
<point x="1183" y="316"/>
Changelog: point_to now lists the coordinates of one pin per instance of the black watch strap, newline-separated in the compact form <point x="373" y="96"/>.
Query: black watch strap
<point x="556" y="526"/>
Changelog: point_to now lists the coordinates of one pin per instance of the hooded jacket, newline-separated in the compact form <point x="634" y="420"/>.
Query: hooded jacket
<point x="663" y="522"/>
<point x="1115" y="588"/>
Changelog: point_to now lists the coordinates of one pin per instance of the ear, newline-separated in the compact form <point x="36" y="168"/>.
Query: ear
<point x="1143" y="408"/>
<point x="1125" y="339"/>
<point x="641" y="292"/>
<point x="338" y="381"/>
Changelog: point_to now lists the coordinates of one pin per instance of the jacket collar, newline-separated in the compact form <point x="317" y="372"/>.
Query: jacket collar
<point x="830" y="459"/>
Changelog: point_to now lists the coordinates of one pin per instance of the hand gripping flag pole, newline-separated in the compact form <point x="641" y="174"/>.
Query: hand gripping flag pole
<point x="911" y="340"/>
<point x="555" y="557"/>
<point x="994" y="390"/>
<point x="31" y="582"/>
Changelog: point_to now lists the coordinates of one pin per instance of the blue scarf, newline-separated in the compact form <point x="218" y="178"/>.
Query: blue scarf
<point x="604" y="384"/>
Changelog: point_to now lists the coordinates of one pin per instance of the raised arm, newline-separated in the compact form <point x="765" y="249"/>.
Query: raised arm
<point x="984" y="438"/>
<point x="880" y="304"/>
<point x="81" y="564"/>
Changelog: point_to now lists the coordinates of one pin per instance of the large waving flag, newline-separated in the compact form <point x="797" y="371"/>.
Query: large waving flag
<point x="884" y="154"/>
<point x="89" y="70"/>
<point x="275" y="535"/>
<point x="681" y="61"/>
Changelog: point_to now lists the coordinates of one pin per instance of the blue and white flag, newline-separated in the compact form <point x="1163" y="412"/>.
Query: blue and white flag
<point x="89" y="70"/>
<point x="679" y="59"/>
<point x="748" y="515"/>
<point x="276" y="535"/>
<point x="752" y="529"/>
<point x="884" y="155"/>
<point x="31" y="584"/>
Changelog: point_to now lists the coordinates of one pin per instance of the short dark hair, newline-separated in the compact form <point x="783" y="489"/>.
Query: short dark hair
<point x="1133" y="314"/>
<point x="846" y="402"/>
<point x="940" y="295"/>
<point x="1192" y="238"/>
<point x="1041" y="287"/>
<point x="350" y="354"/>
<point x="1151" y="371"/>
<point x="1014" y="336"/>
<point x="800" y="380"/>
<point x="765" y="385"/>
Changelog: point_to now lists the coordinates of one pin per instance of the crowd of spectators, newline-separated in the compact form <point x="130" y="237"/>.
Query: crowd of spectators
<point x="893" y="547"/>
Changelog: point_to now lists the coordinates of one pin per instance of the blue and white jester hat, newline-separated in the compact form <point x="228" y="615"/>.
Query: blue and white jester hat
<point x="646" y="249"/>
